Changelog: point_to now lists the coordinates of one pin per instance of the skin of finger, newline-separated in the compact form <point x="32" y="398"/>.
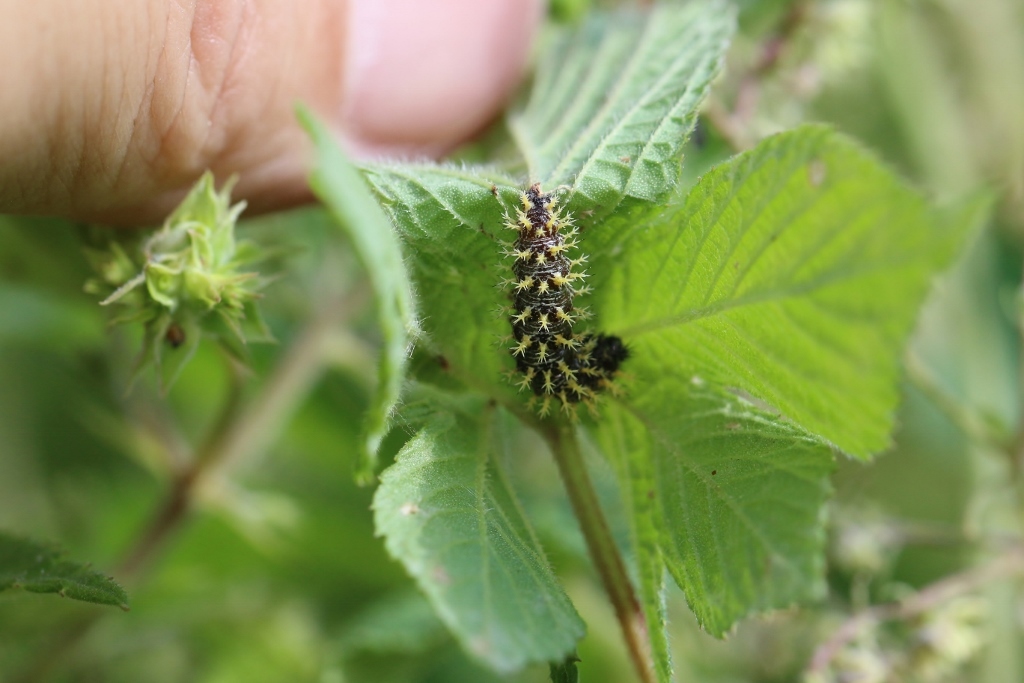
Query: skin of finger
<point x="134" y="99"/>
<point x="421" y="75"/>
<point x="118" y="105"/>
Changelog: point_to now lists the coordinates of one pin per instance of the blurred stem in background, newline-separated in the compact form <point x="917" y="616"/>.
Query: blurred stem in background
<point x="245" y="428"/>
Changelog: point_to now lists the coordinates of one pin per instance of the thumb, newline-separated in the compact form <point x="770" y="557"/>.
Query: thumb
<point x="110" y="109"/>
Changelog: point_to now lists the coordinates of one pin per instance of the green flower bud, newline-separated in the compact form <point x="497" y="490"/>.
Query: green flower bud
<point x="948" y="636"/>
<point x="863" y="542"/>
<point x="179" y="275"/>
<point x="861" y="661"/>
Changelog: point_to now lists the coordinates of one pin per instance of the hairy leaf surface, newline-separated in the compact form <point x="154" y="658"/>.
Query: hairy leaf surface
<point x="446" y="512"/>
<point x="793" y="272"/>
<point x="614" y="101"/>
<point x="338" y="185"/>
<point x="451" y="224"/>
<point x="736" y="498"/>
<point x="620" y="135"/>
<point x="41" y="568"/>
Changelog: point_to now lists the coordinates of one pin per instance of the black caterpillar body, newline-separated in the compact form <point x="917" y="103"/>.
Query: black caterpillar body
<point x="555" y="363"/>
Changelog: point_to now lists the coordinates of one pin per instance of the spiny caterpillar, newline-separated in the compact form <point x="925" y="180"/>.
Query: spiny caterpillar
<point x="555" y="364"/>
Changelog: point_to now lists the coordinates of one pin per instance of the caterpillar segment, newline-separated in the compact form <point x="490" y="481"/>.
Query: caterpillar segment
<point x="560" y="367"/>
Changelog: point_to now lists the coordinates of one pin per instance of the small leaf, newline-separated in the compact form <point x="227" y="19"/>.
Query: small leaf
<point x="339" y="186"/>
<point x="736" y="495"/>
<point x="615" y="98"/>
<point x="793" y="272"/>
<point x="565" y="671"/>
<point x="174" y="342"/>
<point x="447" y="514"/>
<point x="40" y="568"/>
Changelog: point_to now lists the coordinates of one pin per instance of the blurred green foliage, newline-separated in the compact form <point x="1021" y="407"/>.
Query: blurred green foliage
<point x="276" y="575"/>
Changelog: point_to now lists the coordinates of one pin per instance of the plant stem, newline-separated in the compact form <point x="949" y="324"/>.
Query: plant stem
<point x="240" y="432"/>
<point x="172" y="512"/>
<point x="734" y="125"/>
<point x="603" y="550"/>
<point x="256" y="427"/>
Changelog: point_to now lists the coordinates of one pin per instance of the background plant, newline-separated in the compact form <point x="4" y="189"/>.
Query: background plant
<point x="767" y="305"/>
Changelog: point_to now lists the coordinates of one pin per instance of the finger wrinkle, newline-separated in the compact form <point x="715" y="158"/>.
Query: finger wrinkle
<point x="192" y="71"/>
<point x="79" y="127"/>
<point x="254" y="94"/>
<point x="168" y="104"/>
<point x="134" y="103"/>
<point x="218" y="41"/>
<point x="65" y="154"/>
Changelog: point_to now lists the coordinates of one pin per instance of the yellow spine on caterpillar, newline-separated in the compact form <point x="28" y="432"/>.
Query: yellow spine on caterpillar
<point x="555" y="363"/>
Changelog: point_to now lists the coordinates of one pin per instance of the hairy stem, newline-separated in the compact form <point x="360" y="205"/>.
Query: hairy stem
<point x="603" y="550"/>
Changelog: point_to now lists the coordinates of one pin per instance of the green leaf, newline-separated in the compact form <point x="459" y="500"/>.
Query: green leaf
<point x="447" y="514"/>
<point x="170" y="359"/>
<point x="656" y="68"/>
<point x="793" y="272"/>
<point x="40" y="568"/>
<point x="565" y="671"/>
<point x="339" y="186"/>
<point x="736" y="496"/>
<point x="615" y="98"/>
<point x="450" y="222"/>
